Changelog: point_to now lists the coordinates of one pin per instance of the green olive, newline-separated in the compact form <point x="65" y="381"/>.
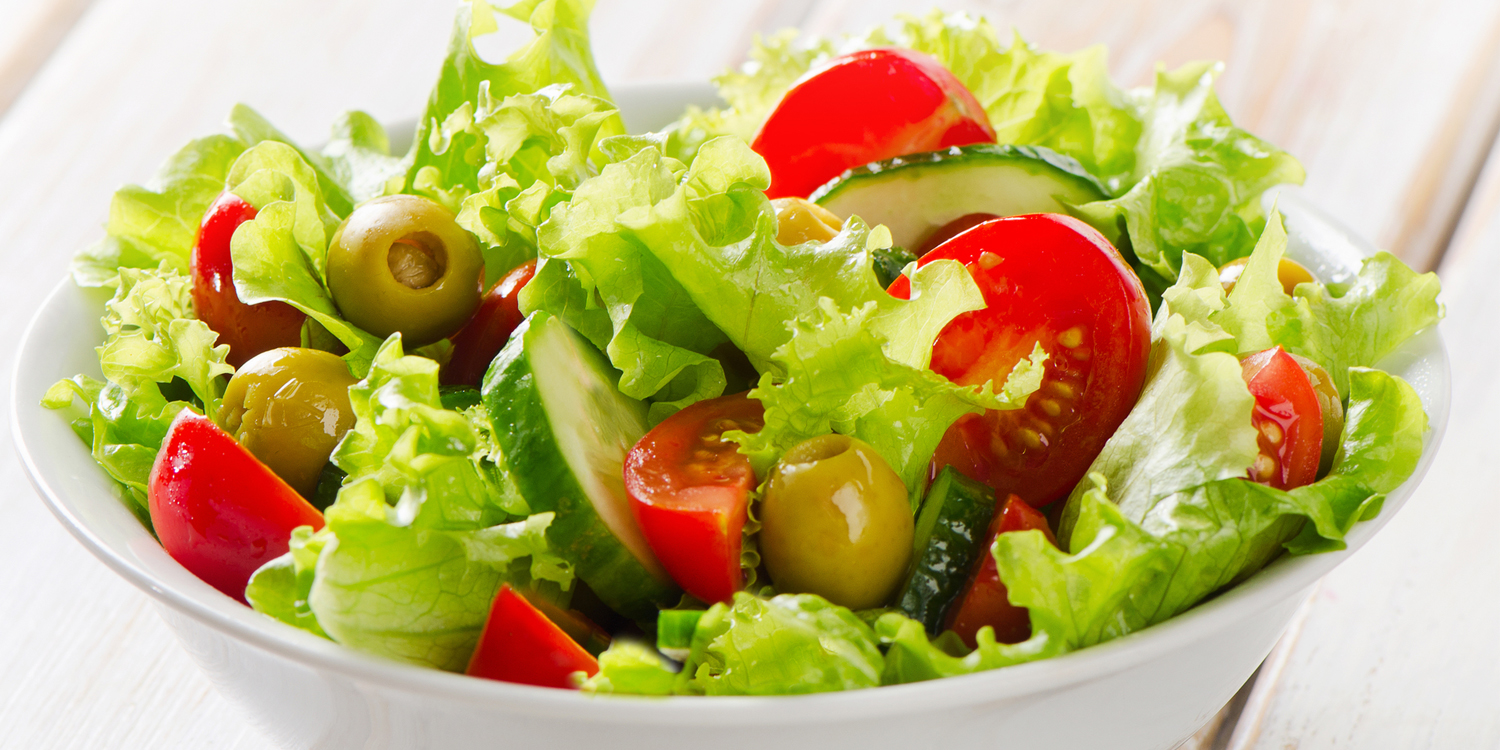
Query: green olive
<point x="1333" y="411"/>
<point x="402" y="263"/>
<point x="799" y="220"/>
<point x="836" y="522"/>
<point x="290" y="407"/>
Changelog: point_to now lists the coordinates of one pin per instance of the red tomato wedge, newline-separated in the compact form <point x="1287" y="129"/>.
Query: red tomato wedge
<point x="476" y="344"/>
<point x="863" y="107"/>
<point x="217" y="510"/>
<point x="1288" y="421"/>
<point x="1052" y="280"/>
<point x="985" y="601"/>
<point x="519" y="644"/>
<point x="247" y="329"/>
<point x="690" y="491"/>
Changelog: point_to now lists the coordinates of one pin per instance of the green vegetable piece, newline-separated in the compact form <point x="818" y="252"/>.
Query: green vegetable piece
<point x="889" y="262"/>
<point x="950" y="542"/>
<point x="674" y="631"/>
<point x="458" y="397"/>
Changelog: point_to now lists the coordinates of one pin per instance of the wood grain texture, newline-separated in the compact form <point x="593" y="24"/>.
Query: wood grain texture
<point x="1368" y="95"/>
<point x="31" y="31"/>
<point x="1399" y="650"/>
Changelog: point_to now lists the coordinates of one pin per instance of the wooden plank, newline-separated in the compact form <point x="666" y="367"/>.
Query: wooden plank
<point x="1399" y="649"/>
<point x="1389" y="105"/>
<point x="32" y="30"/>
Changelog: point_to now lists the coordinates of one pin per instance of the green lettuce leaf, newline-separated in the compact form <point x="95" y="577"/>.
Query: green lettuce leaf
<point x="358" y="157"/>
<point x="254" y="129"/>
<point x="158" y="224"/>
<point x="281" y="587"/>
<point x="449" y="151"/>
<point x="282" y="253"/>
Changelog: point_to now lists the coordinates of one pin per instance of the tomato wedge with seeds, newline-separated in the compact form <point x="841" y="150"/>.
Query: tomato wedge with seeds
<point x="690" y="489"/>
<point x="985" y="601"/>
<point x="1052" y="280"/>
<point x="864" y="107"/>
<point x="519" y="644"/>
<point x="247" y="329"/>
<point x="1288" y="421"/>
<point x="217" y="510"/>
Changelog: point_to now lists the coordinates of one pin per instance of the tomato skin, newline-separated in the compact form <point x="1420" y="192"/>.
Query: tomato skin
<point x="1288" y="420"/>
<point x="863" y="107"/>
<point x="476" y="344"/>
<point x="247" y="329"/>
<point x="1053" y="280"/>
<point x="690" y="492"/>
<point x="519" y="644"/>
<point x="952" y="229"/>
<point x="985" y="601"/>
<point x="217" y="510"/>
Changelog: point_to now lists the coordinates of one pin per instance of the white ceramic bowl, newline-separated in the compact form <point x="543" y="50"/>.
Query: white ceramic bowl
<point x="1146" y="691"/>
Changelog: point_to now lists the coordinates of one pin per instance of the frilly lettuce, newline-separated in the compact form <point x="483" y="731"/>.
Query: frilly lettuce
<point x="449" y="152"/>
<point x="785" y="645"/>
<point x="417" y="543"/>
<point x="156" y="360"/>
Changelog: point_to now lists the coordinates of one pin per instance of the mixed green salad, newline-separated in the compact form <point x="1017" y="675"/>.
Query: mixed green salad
<point x="928" y="353"/>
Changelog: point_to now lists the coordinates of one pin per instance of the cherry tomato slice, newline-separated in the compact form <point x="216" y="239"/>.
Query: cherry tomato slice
<point x="476" y="344"/>
<point x="247" y="329"/>
<point x="953" y="229"/>
<point x="1053" y="280"/>
<point x="985" y="601"/>
<point x="218" y="511"/>
<point x="1288" y="421"/>
<point x="689" y="491"/>
<point x="519" y="644"/>
<point x="863" y="107"/>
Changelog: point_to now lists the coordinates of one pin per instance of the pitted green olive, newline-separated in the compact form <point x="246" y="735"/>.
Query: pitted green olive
<point x="402" y="263"/>
<point x="836" y="522"/>
<point x="290" y="407"/>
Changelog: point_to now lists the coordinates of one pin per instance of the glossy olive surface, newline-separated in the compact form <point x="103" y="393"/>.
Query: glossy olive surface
<point x="836" y="522"/>
<point x="402" y="263"/>
<point x="289" y="407"/>
<point x="799" y="220"/>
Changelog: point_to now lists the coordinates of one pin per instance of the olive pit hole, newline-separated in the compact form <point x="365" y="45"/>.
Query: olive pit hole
<point x="417" y="261"/>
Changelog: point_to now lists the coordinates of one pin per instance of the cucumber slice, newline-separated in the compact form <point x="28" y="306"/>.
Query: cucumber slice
<point x="564" y="429"/>
<point x="950" y="534"/>
<point x="917" y="195"/>
<point x="674" y="632"/>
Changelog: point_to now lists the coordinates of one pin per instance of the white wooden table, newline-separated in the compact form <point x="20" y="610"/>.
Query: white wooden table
<point x="1393" y="107"/>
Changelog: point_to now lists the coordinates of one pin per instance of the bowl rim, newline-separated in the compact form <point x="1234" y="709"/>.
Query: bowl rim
<point x="1284" y="578"/>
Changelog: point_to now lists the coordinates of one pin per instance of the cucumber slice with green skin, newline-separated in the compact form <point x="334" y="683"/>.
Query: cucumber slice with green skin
<point x="564" y="429"/>
<point x="674" y="632"/>
<point x="917" y="195"/>
<point x="951" y="530"/>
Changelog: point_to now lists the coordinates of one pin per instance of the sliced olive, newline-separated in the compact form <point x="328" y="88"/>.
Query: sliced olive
<point x="290" y="407"/>
<point x="799" y="220"/>
<point x="836" y="522"/>
<point x="1332" y="407"/>
<point x="1289" y="272"/>
<point x="402" y="263"/>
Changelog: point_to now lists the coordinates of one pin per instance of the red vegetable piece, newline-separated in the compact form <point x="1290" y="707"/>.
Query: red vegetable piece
<point x="690" y="490"/>
<point x="519" y="644"/>
<point x="864" y="107"/>
<point x="476" y="344"/>
<point x="247" y="329"/>
<point x="1052" y="280"/>
<point x="1288" y="421"/>
<point x="985" y="601"/>
<point x="217" y="510"/>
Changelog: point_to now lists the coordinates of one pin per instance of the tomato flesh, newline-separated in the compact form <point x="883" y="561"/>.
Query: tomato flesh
<point x="985" y="601"/>
<point x="519" y="644"/>
<point x="690" y="489"/>
<point x="1288" y="421"/>
<point x="476" y="344"/>
<point x="217" y="510"/>
<point x="1052" y="280"/>
<point x="863" y="107"/>
<point x="247" y="329"/>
